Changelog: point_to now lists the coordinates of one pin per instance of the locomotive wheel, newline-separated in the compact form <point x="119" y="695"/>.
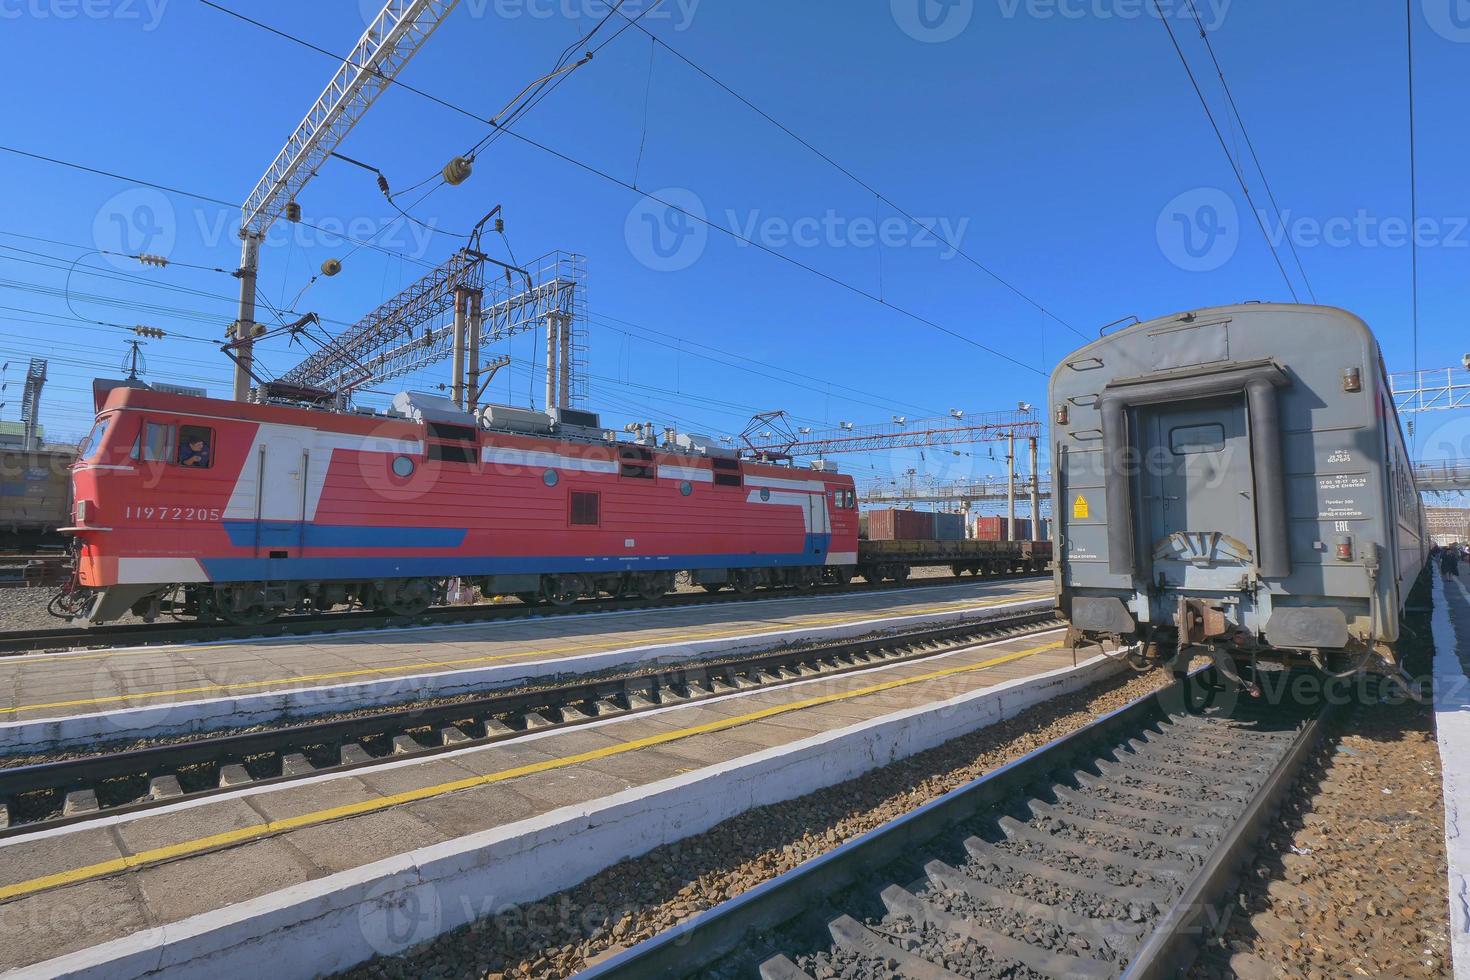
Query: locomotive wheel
<point x="408" y="598"/>
<point x="529" y="598"/>
<point x="743" y="581"/>
<point x="842" y="577"/>
<point x="900" y="574"/>
<point x="651" y="587"/>
<point x="250" y="616"/>
<point x="712" y="587"/>
<point x="561" y="590"/>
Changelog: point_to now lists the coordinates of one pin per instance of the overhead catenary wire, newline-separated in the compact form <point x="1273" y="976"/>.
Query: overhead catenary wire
<point x="1225" y="147"/>
<point x="610" y="178"/>
<point x="1251" y="146"/>
<point x="1413" y="194"/>
<point x="865" y="185"/>
<point x="208" y="199"/>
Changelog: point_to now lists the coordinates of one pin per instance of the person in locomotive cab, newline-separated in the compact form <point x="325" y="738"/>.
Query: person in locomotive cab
<point x="195" y="452"/>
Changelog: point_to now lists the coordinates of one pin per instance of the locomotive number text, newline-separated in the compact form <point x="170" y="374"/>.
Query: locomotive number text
<point x="141" y="513"/>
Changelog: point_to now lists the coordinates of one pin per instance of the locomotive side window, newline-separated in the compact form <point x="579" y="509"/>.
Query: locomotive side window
<point x="636" y="462"/>
<point x="586" y="509"/>
<point x="196" y="447"/>
<point x="1186" y="439"/>
<point x="727" y="472"/>
<point x="155" y="443"/>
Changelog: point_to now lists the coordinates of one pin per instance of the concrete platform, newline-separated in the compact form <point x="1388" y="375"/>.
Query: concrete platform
<point x="305" y="879"/>
<point x="62" y="699"/>
<point x="1451" y="626"/>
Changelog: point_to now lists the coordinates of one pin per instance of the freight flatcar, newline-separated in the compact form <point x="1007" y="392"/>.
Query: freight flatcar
<point x="35" y="494"/>
<point x="196" y="507"/>
<point x="1234" y="479"/>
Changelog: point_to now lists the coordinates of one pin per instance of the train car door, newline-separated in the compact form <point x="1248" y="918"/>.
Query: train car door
<point x="818" y="524"/>
<point x="1198" y="494"/>
<point x="282" y="496"/>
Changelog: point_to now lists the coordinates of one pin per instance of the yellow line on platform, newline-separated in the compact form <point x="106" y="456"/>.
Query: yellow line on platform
<point x="214" y="841"/>
<point x="527" y="656"/>
<point x="816" y="619"/>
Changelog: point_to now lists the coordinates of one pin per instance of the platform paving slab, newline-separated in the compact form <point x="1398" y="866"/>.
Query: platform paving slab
<point x="1451" y="629"/>
<point x="58" y="700"/>
<point x="544" y="830"/>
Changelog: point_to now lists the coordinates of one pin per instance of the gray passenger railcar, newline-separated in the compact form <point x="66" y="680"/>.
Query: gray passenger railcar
<point x="1235" y="479"/>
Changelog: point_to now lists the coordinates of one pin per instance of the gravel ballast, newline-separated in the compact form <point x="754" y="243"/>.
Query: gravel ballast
<point x="1352" y="882"/>
<point x="635" y="899"/>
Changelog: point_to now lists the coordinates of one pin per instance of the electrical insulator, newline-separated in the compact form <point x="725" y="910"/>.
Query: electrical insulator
<point x="153" y="332"/>
<point x="500" y="226"/>
<point x="457" y="171"/>
<point x="157" y="260"/>
<point x="257" y="329"/>
<point x="331" y="267"/>
<point x="383" y="185"/>
<point x="293" y="211"/>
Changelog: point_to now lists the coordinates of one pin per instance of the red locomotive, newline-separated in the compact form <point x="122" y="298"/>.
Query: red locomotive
<point x="212" y="508"/>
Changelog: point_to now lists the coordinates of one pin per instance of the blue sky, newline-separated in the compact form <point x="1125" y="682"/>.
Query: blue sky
<point x="1058" y="142"/>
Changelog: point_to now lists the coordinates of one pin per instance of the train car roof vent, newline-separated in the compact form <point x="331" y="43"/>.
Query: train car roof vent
<point x="504" y="418"/>
<point x="422" y="407"/>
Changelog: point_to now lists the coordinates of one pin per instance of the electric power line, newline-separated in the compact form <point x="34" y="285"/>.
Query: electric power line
<point x="1234" y="168"/>
<point x="1265" y="182"/>
<point x="604" y="175"/>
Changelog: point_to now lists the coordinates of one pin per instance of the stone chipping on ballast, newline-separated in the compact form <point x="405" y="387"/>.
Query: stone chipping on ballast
<point x="1084" y="903"/>
<point x="1045" y="935"/>
<point x="637" y="898"/>
<point x="1351" y="880"/>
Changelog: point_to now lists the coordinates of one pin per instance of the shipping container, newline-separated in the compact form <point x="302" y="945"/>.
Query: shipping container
<point x="900" y="525"/>
<point x="994" y="529"/>
<point x="949" y="527"/>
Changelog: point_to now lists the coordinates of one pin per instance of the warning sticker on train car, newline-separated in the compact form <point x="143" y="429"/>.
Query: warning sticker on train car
<point x="1080" y="510"/>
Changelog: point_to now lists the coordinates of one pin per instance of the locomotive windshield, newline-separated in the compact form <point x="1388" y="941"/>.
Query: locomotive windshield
<point x="92" y="444"/>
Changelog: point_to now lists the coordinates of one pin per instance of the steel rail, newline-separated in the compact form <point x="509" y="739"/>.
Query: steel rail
<point x="453" y="724"/>
<point x="737" y="927"/>
<point x="21" y="642"/>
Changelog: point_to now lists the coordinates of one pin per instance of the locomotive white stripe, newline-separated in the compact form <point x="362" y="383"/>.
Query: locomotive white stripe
<point x="148" y="571"/>
<point x="776" y="482"/>
<point x="533" y="457"/>
<point x="842" y="558"/>
<point x="692" y="473"/>
<point x="280" y="499"/>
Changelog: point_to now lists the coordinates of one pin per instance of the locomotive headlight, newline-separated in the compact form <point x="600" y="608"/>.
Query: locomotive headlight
<point x="1062" y="415"/>
<point x="81" y="512"/>
<point x="1344" y="547"/>
<point x="1352" y="379"/>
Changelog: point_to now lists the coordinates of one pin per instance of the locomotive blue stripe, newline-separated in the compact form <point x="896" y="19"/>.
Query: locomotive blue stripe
<point x="354" y="568"/>
<point x="287" y="534"/>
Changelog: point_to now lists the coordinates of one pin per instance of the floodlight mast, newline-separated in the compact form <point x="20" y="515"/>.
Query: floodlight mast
<point x="390" y="41"/>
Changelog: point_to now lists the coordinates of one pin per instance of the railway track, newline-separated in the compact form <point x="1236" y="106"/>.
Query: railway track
<point x="1110" y="852"/>
<point x="74" y="790"/>
<point x="143" y="634"/>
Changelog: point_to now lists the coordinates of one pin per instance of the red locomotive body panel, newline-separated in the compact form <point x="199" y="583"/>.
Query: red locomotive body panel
<point x="180" y="490"/>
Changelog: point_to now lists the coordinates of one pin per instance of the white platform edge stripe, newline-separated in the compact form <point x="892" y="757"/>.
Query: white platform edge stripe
<point x="498" y="624"/>
<point x="1452" y="731"/>
<point x="91" y="724"/>
<point x="345" y="892"/>
<point x="389" y="763"/>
